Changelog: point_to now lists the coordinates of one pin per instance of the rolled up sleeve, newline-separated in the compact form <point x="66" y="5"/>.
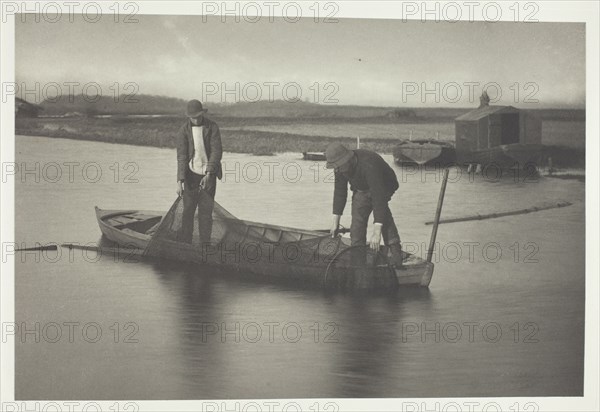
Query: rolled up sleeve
<point x="340" y="194"/>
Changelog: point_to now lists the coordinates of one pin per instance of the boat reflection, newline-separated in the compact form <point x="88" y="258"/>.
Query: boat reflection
<point x="294" y="343"/>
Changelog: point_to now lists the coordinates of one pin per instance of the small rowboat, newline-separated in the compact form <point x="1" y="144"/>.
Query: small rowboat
<point x="268" y="251"/>
<point x="315" y="156"/>
<point x="424" y="152"/>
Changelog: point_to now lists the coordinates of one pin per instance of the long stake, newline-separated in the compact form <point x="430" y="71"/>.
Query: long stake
<point x="438" y="212"/>
<point x="538" y="208"/>
<point x="106" y="249"/>
<point x="42" y="248"/>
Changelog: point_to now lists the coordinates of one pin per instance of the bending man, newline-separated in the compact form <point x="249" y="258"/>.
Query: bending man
<point x="373" y="182"/>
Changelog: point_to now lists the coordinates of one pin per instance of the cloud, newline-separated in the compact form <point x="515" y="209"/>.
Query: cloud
<point x="182" y="38"/>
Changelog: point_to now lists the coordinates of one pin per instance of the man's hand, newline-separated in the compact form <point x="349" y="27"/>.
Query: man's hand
<point x="203" y="182"/>
<point x="207" y="182"/>
<point x="180" y="188"/>
<point x="335" y="226"/>
<point x="376" y="238"/>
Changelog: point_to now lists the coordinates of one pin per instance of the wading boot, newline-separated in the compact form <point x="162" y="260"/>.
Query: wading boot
<point x="396" y="258"/>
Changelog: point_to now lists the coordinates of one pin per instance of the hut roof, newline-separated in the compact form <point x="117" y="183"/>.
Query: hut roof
<point x="484" y="111"/>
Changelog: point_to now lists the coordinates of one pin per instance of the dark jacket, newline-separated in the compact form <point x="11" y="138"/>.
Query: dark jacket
<point x="212" y="145"/>
<point x="371" y="174"/>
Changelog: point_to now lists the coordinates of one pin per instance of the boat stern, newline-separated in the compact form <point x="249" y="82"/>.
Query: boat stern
<point x="418" y="274"/>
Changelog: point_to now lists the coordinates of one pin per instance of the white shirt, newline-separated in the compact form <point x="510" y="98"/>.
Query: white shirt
<point x="199" y="162"/>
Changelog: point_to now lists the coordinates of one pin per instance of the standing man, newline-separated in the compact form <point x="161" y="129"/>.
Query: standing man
<point x="199" y="153"/>
<point x="373" y="182"/>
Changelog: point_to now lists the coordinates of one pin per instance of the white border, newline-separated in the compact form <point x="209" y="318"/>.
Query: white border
<point x="7" y="210"/>
<point x="554" y="11"/>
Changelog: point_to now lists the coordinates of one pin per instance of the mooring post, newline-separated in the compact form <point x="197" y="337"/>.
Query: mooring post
<point x="438" y="213"/>
<point x="358" y="142"/>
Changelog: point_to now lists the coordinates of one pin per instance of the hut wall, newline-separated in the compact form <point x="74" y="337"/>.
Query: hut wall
<point x="494" y="130"/>
<point x="482" y="131"/>
<point x="466" y="136"/>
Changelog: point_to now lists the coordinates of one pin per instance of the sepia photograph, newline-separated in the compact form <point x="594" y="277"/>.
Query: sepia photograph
<point x="299" y="206"/>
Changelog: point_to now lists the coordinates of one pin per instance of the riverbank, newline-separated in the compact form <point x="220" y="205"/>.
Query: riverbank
<point x="160" y="132"/>
<point x="248" y="135"/>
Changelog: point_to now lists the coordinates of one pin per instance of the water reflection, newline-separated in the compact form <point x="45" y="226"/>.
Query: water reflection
<point x="355" y="343"/>
<point x="372" y="351"/>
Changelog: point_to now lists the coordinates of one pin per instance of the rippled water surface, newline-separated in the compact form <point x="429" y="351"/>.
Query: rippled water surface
<point x="504" y="314"/>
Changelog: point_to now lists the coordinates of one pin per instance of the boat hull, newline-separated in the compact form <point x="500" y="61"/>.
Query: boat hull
<point x="315" y="156"/>
<point x="424" y="154"/>
<point x="116" y="226"/>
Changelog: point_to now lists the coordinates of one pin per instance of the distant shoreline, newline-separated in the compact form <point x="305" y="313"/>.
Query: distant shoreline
<point x="161" y="132"/>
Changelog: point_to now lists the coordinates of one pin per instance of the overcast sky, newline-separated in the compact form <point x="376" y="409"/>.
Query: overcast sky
<point x="368" y="62"/>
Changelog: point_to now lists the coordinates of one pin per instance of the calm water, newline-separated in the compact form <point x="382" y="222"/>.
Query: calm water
<point x="509" y="325"/>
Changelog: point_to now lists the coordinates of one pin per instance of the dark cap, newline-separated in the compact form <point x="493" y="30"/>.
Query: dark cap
<point x="194" y="108"/>
<point x="337" y="154"/>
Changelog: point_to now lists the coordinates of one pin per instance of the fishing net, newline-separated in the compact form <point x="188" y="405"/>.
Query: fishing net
<point x="200" y="230"/>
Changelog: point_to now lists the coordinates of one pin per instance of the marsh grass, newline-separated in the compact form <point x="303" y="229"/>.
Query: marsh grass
<point x="565" y="139"/>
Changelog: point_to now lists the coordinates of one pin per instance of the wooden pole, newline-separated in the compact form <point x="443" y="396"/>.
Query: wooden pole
<point x="358" y="142"/>
<point x="117" y="251"/>
<point x="438" y="213"/>
<point x="543" y="206"/>
<point x="42" y="248"/>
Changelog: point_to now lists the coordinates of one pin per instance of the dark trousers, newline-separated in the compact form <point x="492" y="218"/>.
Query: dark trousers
<point x="201" y="199"/>
<point x="362" y="206"/>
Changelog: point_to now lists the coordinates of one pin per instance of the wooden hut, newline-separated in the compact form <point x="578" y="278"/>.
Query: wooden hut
<point x="498" y="134"/>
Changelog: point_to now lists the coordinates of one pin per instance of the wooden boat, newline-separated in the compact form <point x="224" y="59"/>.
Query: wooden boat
<point x="329" y="266"/>
<point x="316" y="156"/>
<point x="424" y="152"/>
